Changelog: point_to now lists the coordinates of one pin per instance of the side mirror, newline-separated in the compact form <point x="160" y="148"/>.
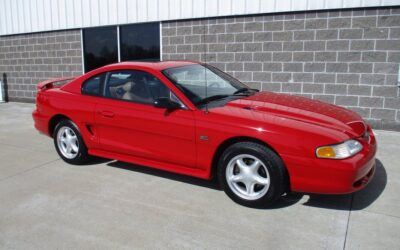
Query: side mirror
<point x="166" y="103"/>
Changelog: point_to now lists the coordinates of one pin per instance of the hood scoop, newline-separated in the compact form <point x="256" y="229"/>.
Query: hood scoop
<point x="358" y="126"/>
<point x="248" y="107"/>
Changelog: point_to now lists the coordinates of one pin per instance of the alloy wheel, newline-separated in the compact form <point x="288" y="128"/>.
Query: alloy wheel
<point x="67" y="142"/>
<point x="247" y="177"/>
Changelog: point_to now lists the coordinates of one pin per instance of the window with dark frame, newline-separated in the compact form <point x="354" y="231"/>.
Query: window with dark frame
<point x="138" y="42"/>
<point x="100" y="47"/>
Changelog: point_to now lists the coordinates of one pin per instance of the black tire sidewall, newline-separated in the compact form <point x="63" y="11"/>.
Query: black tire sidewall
<point x="270" y="159"/>
<point x="82" y="155"/>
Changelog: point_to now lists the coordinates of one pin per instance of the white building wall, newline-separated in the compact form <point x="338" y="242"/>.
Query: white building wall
<point x="25" y="16"/>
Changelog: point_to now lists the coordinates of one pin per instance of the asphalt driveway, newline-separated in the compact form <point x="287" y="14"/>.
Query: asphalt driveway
<point x="48" y="204"/>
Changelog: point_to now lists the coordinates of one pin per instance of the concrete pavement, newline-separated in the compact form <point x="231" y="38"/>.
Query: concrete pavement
<point x="48" y="204"/>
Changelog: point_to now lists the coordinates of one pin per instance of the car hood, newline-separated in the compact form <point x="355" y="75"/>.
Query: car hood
<point x="303" y="110"/>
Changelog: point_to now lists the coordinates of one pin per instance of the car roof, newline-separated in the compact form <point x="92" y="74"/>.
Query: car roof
<point x="158" y="65"/>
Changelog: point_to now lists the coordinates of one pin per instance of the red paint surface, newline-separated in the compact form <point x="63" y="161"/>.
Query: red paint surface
<point x="142" y="134"/>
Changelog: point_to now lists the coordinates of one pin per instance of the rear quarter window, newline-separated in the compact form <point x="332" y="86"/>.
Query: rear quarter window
<point x="93" y="85"/>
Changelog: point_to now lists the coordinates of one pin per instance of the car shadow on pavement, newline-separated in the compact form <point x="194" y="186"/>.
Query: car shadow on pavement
<point x="355" y="201"/>
<point x="213" y="184"/>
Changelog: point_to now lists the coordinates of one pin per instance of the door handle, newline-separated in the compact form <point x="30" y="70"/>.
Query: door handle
<point x="108" y="114"/>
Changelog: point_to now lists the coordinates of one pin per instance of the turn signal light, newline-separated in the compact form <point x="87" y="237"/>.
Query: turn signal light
<point x="326" y="152"/>
<point x="339" y="151"/>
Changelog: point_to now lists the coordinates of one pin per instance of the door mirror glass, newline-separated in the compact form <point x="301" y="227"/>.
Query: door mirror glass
<point x="166" y="103"/>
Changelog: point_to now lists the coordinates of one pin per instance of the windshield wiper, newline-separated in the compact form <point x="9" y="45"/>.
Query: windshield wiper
<point x="211" y="98"/>
<point x="242" y="90"/>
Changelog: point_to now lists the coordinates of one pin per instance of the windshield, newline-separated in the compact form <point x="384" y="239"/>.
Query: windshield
<point x="193" y="79"/>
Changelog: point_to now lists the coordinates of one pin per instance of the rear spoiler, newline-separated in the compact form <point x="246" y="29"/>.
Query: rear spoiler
<point x="48" y="84"/>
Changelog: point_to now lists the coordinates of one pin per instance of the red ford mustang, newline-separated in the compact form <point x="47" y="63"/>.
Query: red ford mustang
<point x="193" y="119"/>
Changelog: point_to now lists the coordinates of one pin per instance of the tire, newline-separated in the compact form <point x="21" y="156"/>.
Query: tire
<point x="69" y="143"/>
<point x="252" y="174"/>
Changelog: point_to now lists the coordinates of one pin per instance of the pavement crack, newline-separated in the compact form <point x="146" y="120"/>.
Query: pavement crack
<point x="348" y="221"/>
<point x="30" y="169"/>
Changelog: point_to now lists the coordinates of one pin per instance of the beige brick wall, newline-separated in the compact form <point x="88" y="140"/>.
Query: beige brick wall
<point x="349" y="58"/>
<point x="28" y="59"/>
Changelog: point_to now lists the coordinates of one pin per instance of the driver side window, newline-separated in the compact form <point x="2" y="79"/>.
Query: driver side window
<point x="136" y="86"/>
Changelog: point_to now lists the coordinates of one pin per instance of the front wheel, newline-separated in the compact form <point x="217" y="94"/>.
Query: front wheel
<point x="252" y="174"/>
<point x="69" y="143"/>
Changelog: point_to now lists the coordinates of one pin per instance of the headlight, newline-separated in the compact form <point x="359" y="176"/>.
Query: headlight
<point x="339" y="151"/>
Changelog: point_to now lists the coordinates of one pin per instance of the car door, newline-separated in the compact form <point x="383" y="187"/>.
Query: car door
<point x="129" y="124"/>
<point x="84" y="107"/>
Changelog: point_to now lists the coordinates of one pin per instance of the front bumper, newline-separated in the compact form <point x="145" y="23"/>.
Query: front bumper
<point x="328" y="176"/>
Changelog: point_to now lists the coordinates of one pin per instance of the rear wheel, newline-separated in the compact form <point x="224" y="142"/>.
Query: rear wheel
<point x="252" y="174"/>
<point x="69" y="144"/>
